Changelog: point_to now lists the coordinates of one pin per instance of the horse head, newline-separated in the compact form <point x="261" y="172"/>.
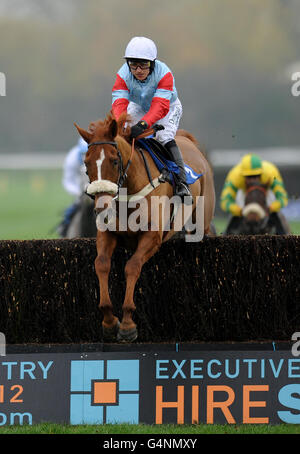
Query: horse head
<point x="255" y="212"/>
<point x="104" y="160"/>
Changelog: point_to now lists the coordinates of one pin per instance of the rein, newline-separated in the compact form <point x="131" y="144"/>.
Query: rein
<point x="254" y="187"/>
<point x="123" y="171"/>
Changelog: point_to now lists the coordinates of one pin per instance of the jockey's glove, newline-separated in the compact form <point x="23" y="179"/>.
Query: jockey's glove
<point x="138" y="129"/>
<point x="235" y="209"/>
<point x="275" y="206"/>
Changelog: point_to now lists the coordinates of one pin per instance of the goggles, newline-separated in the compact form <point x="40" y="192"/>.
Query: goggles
<point x="139" y="64"/>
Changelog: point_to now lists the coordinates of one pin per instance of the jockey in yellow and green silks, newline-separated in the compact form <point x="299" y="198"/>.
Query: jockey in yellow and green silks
<point x="250" y="166"/>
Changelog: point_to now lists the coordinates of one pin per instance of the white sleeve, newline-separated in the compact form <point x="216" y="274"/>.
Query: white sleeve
<point x="71" y="172"/>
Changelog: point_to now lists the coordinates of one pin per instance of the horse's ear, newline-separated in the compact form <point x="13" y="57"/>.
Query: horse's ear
<point x="113" y="129"/>
<point x="84" y="134"/>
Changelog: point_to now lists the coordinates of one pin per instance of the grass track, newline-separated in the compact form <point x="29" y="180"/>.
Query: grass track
<point x="127" y="429"/>
<point x="32" y="203"/>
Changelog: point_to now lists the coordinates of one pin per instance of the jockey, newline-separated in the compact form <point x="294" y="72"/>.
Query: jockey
<point x="145" y="89"/>
<point x="73" y="169"/>
<point x="73" y="181"/>
<point x="252" y="167"/>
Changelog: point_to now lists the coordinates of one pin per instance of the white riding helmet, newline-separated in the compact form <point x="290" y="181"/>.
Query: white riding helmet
<point x="141" y="48"/>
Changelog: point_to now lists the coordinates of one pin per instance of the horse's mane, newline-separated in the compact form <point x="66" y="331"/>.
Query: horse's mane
<point x="102" y="127"/>
<point x="123" y="126"/>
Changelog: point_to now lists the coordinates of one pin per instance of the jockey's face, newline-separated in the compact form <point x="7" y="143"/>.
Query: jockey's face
<point x="140" y="70"/>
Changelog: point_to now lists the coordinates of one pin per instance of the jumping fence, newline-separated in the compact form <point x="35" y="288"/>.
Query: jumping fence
<point x="220" y="289"/>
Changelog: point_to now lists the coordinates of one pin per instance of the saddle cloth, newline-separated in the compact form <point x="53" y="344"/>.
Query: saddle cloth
<point x="158" y="152"/>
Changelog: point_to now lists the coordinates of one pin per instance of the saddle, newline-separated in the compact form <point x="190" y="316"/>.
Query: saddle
<point x="161" y="157"/>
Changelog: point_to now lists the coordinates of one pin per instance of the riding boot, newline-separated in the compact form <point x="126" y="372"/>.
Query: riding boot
<point x="182" y="188"/>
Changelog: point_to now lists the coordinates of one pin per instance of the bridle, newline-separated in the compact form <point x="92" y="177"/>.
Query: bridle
<point x="263" y="222"/>
<point x="122" y="171"/>
<point x="259" y="187"/>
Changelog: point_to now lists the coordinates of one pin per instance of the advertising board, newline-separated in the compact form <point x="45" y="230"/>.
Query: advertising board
<point x="211" y="387"/>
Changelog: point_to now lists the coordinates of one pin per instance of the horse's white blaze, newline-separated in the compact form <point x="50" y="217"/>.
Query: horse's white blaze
<point x="100" y="185"/>
<point x="99" y="163"/>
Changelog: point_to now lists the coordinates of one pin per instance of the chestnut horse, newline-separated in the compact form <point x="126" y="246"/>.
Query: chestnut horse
<point x="256" y="219"/>
<point x="255" y="211"/>
<point x="113" y="164"/>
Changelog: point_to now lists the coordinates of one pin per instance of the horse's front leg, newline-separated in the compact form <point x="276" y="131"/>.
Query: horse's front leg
<point x="149" y="243"/>
<point x="106" y="244"/>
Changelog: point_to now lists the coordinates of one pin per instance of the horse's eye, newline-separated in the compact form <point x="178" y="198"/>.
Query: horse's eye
<point x="115" y="162"/>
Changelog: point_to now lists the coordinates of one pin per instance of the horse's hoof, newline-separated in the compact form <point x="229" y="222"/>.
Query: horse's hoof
<point x="127" y="335"/>
<point x="110" y="334"/>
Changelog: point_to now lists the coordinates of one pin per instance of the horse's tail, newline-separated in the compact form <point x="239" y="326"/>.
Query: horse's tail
<point x="188" y="135"/>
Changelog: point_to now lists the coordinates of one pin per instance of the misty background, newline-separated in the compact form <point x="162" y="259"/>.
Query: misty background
<point x="232" y="60"/>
